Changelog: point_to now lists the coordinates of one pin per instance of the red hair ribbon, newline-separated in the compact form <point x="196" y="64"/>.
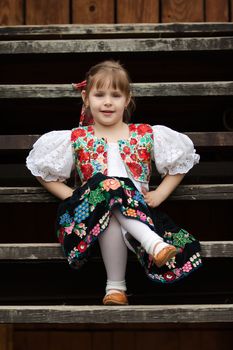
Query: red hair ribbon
<point x="84" y="118"/>
<point x="79" y="86"/>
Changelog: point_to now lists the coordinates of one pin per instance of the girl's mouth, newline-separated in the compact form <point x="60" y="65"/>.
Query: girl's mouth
<point x="107" y="112"/>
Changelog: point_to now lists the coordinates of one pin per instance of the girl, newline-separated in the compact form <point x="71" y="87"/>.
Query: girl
<point x="114" y="205"/>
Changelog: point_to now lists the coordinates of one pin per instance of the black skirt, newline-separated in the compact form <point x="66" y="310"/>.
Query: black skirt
<point x="86" y="214"/>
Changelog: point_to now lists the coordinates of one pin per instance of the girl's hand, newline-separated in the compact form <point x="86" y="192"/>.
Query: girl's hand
<point x="151" y="198"/>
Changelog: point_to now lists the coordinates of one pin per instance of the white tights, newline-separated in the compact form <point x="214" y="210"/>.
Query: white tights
<point x="114" y="250"/>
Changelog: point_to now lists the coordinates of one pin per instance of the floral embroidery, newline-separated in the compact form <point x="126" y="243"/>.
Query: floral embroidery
<point x="135" y="169"/>
<point x="104" y="217"/>
<point x="195" y="259"/>
<point x="96" y="196"/>
<point x="60" y="235"/>
<point x="169" y="276"/>
<point x="87" y="171"/>
<point x="181" y="238"/>
<point x="149" y="220"/>
<point x="82" y="211"/>
<point x="91" y="152"/>
<point x="143" y="129"/>
<point x="77" y="133"/>
<point x="177" y="272"/>
<point x="171" y="263"/>
<point x="115" y="200"/>
<point x="82" y="246"/>
<point x="110" y="184"/>
<point x="143" y="154"/>
<point x="168" y="237"/>
<point x="142" y="215"/>
<point x="86" y="192"/>
<point x="96" y="230"/>
<point x="69" y="229"/>
<point x="80" y="226"/>
<point x="132" y="202"/>
<point x="65" y="219"/>
<point x="138" y="197"/>
<point x="80" y="230"/>
<point x="83" y="156"/>
<point x="128" y="192"/>
<point x="187" y="267"/>
<point x="130" y="212"/>
<point x="73" y="253"/>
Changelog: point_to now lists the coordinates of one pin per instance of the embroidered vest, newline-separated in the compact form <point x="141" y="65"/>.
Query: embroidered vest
<point x="90" y="152"/>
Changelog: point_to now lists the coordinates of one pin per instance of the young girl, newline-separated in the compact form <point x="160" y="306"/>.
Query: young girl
<point x="114" y="205"/>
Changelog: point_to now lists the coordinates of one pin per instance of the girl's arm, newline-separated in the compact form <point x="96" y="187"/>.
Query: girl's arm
<point x="163" y="191"/>
<point x="58" y="189"/>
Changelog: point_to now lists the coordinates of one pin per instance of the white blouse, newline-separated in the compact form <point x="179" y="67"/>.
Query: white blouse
<point x="52" y="159"/>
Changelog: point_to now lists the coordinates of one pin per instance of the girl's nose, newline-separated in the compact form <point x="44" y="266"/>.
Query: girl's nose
<point x="107" y="101"/>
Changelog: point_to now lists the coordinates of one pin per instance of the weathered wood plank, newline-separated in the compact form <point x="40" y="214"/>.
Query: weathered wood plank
<point x="215" y="88"/>
<point x="183" y="192"/>
<point x="117" y="314"/>
<point x="210" y="172"/>
<point x="11" y="12"/>
<point x="200" y="139"/>
<point x="203" y="192"/>
<point x="105" y="30"/>
<point x="211" y="139"/>
<point x="217" y="249"/>
<point x="115" y="45"/>
<point x="89" y="11"/>
<point x="17" y="141"/>
<point x="137" y="11"/>
<point x="53" y="251"/>
<point x="217" y="11"/>
<point x="182" y="11"/>
<point x="231" y="9"/>
<point x="6" y="337"/>
<point x="47" y="11"/>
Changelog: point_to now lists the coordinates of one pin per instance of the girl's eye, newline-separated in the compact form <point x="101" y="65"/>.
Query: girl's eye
<point x="99" y="94"/>
<point x="116" y="94"/>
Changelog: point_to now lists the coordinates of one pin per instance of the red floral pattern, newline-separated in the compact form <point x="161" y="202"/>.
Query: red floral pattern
<point x="135" y="169"/>
<point x="82" y="246"/>
<point x="79" y="132"/>
<point x="143" y="129"/>
<point x="169" y="276"/>
<point x="87" y="171"/>
<point x="91" y="152"/>
<point x="143" y="154"/>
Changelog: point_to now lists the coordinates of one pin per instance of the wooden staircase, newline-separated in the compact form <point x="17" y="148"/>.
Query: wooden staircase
<point x="183" y="79"/>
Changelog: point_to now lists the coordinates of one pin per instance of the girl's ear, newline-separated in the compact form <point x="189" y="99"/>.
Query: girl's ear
<point x="84" y="96"/>
<point x="128" y="100"/>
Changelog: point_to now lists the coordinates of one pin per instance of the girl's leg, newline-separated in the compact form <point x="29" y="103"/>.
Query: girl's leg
<point x="150" y="241"/>
<point x="114" y="253"/>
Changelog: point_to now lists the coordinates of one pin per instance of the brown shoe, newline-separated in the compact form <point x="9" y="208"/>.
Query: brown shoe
<point x="164" y="255"/>
<point x="115" y="299"/>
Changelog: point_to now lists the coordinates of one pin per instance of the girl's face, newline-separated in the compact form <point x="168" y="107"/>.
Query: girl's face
<point x="106" y="104"/>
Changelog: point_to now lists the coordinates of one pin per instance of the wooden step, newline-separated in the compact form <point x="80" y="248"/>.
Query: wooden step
<point x="53" y="251"/>
<point x="183" y="192"/>
<point x="115" y="30"/>
<point x="115" y="45"/>
<point x="210" y="313"/>
<point x="213" y="88"/>
<point x="200" y="139"/>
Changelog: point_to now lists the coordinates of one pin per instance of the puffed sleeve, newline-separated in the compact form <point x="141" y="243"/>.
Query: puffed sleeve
<point x="173" y="152"/>
<point x="51" y="157"/>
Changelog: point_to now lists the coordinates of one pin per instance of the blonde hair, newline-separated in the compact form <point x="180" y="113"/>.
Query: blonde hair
<point x="113" y="73"/>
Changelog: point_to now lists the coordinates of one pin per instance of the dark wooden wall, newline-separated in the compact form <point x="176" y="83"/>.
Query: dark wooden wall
<point x="32" y="12"/>
<point x="123" y="337"/>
